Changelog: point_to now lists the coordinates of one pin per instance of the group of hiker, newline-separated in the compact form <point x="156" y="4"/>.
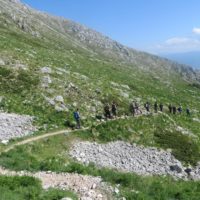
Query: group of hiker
<point x="110" y="111"/>
<point x="174" y="109"/>
<point x="160" y="107"/>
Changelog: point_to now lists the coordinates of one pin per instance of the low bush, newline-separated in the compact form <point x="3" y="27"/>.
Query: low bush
<point x="184" y="148"/>
<point x="28" y="188"/>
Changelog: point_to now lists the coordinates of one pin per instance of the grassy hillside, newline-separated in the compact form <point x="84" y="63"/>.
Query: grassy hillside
<point x="97" y="80"/>
<point x="88" y="76"/>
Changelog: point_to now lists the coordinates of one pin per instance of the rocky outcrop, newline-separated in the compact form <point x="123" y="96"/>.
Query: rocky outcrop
<point x="46" y="70"/>
<point x="15" y="126"/>
<point x="2" y="62"/>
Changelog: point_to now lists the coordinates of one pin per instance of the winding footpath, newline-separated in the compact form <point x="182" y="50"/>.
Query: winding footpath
<point x="36" y="138"/>
<point x="51" y="134"/>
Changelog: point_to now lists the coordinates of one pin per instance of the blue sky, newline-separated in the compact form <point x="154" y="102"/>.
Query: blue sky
<point x="156" y="26"/>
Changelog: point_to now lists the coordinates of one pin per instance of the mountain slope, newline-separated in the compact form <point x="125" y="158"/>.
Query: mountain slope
<point x="49" y="66"/>
<point x="84" y="67"/>
<point x="38" y="24"/>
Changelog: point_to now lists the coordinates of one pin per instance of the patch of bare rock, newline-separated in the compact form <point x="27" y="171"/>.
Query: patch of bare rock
<point x="15" y="126"/>
<point x="132" y="158"/>
<point x="87" y="187"/>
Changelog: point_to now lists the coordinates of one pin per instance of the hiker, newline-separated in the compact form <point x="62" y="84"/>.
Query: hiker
<point x="188" y="111"/>
<point x="99" y="116"/>
<point x="77" y="118"/>
<point x="156" y="107"/>
<point x="107" y="111"/>
<point x="179" y="109"/>
<point x="170" y="108"/>
<point x="137" y="109"/>
<point x="174" y="109"/>
<point x="132" y="108"/>
<point x="114" y="109"/>
<point x="161" y="107"/>
<point x="147" y="106"/>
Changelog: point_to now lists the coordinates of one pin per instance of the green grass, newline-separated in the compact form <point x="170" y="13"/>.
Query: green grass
<point x="184" y="148"/>
<point x="51" y="154"/>
<point x="28" y="188"/>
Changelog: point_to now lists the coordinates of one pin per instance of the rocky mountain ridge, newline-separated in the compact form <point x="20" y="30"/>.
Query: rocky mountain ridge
<point x="38" y="24"/>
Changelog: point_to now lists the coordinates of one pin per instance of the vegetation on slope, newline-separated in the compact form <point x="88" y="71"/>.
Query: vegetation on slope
<point x="51" y="154"/>
<point x="22" y="93"/>
<point x="28" y="188"/>
<point x="18" y="46"/>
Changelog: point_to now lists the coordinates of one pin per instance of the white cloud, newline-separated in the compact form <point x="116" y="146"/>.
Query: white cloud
<point x="196" y="31"/>
<point x="178" y="41"/>
<point x="178" y="44"/>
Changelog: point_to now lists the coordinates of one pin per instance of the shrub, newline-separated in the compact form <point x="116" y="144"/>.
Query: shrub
<point x="4" y="72"/>
<point x="184" y="148"/>
<point x="28" y="188"/>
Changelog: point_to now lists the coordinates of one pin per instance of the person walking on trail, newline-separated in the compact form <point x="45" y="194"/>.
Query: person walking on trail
<point x="156" y="107"/>
<point x="179" y="109"/>
<point x="107" y="111"/>
<point x="77" y="118"/>
<point x="170" y="108"/>
<point x="114" y="109"/>
<point x="137" y="109"/>
<point x="161" y="107"/>
<point x="188" y="111"/>
<point x="174" y="109"/>
<point x="147" y="106"/>
<point x="132" y="108"/>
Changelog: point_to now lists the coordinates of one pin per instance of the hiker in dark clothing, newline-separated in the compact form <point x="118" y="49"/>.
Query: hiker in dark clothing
<point x="174" y="109"/>
<point x="77" y="118"/>
<point x="114" y="109"/>
<point x="179" y="109"/>
<point x="107" y="111"/>
<point x="132" y="108"/>
<point x="99" y="117"/>
<point x="147" y="106"/>
<point x="188" y="111"/>
<point x="156" y="107"/>
<point x="170" y="108"/>
<point x="161" y="107"/>
<point x="137" y="109"/>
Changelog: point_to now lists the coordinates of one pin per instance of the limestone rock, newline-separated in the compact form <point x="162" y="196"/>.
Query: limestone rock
<point x="129" y="158"/>
<point x="46" y="80"/>
<point x="59" y="99"/>
<point x="46" y="70"/>
<point x="2" y="62"/>
<point x="14" y="126"/>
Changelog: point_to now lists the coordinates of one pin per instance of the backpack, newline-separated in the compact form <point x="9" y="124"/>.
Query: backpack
<point x="114" y="107"/>
<point x="76" y="115"/>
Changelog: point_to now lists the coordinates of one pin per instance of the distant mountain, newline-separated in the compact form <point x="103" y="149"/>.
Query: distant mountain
<point x="188" y="58"/>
